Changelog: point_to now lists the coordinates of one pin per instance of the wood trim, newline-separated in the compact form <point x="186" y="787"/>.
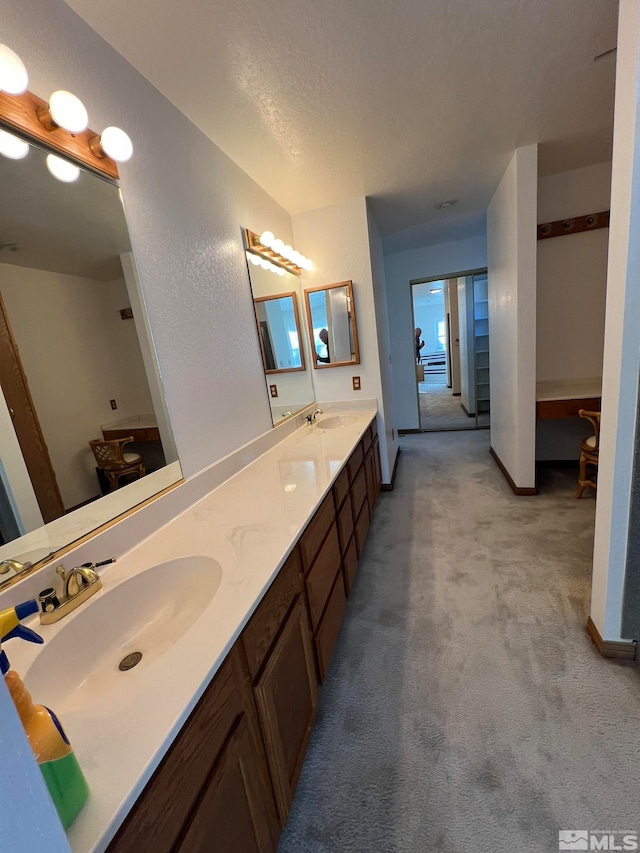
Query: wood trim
<point x="356" y="358"/>
<point x="388" y="487"/>
<point x="253" y="245"/>
<point x="517" y="490"/>
<point x="20" y="112"/>
<point x="589" y="222"/>
<point x="613" y="649"/>
<point x="296" y="314"/>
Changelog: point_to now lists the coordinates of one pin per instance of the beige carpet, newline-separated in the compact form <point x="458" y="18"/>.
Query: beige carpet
<point x="466" y="710"/>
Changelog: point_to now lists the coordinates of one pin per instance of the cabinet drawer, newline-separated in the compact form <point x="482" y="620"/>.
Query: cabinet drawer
<point x="265" y="624"/>
<point x="163" y="808"/>
<point x="320" y="578"/>
<point x="311" y="539"/>
<point x="358" y="492"/>
<point x="362" y="528"/>
<point x="350" y="564"/>
<point x="341" y="488"/>
<point x="327" y="633"/>
<point x="345" y="525"/>
<point x="354" y="463"/>
<point x="375" y="449"/>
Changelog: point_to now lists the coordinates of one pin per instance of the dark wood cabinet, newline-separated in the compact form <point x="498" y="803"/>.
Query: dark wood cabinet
<point x="220" y="740"/>
<point x="227" y="782"/>
<point x="287" y="697"/>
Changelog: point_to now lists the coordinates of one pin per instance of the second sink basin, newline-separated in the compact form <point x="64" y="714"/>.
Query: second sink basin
<point x="146" y="613"/>
<point x="336" y="421"/>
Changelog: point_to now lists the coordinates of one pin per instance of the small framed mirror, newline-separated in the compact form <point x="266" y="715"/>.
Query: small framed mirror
<point x="279" y="331"/>
<point x="332" y="325"/>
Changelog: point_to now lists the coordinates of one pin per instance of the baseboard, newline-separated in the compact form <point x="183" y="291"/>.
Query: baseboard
<point x="388" y="487"/>
<point x="409" y="432"/>
<point x="466" y="411"/>
<point x="457" y="394"/>
<point x="517" y="490"/>
<point x="617" y="650"/>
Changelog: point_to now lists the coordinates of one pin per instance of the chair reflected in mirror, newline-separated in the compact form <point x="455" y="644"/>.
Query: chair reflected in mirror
<point x="589" y="450"/>
<point x="114" y="463"/>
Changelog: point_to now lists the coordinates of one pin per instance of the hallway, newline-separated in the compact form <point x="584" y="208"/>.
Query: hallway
<point x="466" y="709"/>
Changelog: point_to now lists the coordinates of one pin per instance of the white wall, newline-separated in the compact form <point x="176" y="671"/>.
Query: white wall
<point x="384" y="342"/>
<point x="622" y="337"/>
<point x="572" y="276"/>
<point x="336" y="238"/>
<point x="438" y="261"/>
<point x="77" y="354"/>
<point x="186" y="203"/>
<point x="511" y="249"/>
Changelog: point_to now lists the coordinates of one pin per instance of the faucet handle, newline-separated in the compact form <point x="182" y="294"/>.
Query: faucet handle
<point x="60" y="570"/>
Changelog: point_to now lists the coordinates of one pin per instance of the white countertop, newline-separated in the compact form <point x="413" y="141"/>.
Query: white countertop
<point x="132" y="422"/>
<point x="249" y="525"/>
<point x="568" y="389"/>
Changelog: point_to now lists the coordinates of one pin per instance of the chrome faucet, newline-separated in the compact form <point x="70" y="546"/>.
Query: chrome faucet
<point x="78" y="585"/>
<point x="286" y="414"/>
<point x="311" y="419"/>
<point x="17" y="567"/>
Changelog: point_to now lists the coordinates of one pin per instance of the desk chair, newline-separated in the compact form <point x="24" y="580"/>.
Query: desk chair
<point x="588" y="451"/>
<point x="114" y="462"/>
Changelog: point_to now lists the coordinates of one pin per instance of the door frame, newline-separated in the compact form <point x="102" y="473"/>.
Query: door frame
<point x="426" y="280"/>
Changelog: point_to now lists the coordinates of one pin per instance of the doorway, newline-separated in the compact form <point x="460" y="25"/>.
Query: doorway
<point x="451" y="328"/>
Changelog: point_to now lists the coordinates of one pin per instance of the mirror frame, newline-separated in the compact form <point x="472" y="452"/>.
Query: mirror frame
<point x="296" y="314"/>
<point x="19" y="115"/>
<point x="349" y="285"/>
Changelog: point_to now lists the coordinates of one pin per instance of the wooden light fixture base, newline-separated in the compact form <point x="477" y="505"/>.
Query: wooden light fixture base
<point x="253" y="245"/>
<point x="21" y="113"/>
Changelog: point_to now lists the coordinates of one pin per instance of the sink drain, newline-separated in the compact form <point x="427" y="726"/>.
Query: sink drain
<point x="129" y="661"/>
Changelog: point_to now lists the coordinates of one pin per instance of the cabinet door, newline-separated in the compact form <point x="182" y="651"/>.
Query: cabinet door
<point x="233" y="815"/>
<point x="287" y="697"/>
<point x="370" y="476"/>
<point x="327" y="633"/>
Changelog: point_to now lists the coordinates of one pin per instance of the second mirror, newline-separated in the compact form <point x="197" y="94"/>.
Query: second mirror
<point x="332" y="325"/>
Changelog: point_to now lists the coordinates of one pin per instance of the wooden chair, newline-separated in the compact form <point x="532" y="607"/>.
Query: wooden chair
<point x="114" y="462"/>
<point x="588" y="452"/>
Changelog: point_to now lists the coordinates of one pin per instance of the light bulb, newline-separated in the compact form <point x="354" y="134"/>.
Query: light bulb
<point x="281" y="271"/>
<point x="254" y="259"/>
<point x="295" y="258"/>
<point x="68" y="112"/>
<point x="267" y="238"/>
<point x="116" y="144"/>
<point x="61" y="169"/>
<point x="286" y="251"/>
<point x="302" y="261"/>
<point x="265" y="264"/>
<point x="277" y="246"/>
<point x="307" y="265"/>
<point x="13" y="75"/>
<point x="12" y="146"/>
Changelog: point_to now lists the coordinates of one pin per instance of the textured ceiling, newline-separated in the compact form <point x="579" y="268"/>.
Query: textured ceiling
<point x="406" y="101"/>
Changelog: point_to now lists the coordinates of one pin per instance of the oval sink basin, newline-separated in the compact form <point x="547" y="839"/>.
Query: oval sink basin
<point x="147" y="613"/>
<point x="336" y="421"/>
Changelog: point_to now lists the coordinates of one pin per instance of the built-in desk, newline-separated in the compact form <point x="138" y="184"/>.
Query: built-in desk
<point x="141" y="427"/>
<point x="563" y="398"/>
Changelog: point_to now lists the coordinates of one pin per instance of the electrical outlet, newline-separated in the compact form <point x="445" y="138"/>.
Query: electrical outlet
<point x="356" y="383"/>
<point x="114" y="405"/>
<point x="273" y="390"/>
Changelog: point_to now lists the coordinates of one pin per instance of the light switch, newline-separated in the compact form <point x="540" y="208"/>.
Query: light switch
<point x="114" y="405"/>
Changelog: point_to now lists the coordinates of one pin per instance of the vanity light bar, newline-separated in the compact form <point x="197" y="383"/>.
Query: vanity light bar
<point x="61" y="123"/>
<point x="273" y="250"/>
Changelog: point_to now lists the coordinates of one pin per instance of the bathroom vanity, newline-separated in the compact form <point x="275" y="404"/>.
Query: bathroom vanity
<point x="233" y="587"/>
<point x="231" y="773"/>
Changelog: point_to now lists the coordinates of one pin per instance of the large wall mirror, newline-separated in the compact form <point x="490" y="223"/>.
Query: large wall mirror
<point x="76" y="362"/>
<point x="332" y="325"/>
<point x="283" y="342"/>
